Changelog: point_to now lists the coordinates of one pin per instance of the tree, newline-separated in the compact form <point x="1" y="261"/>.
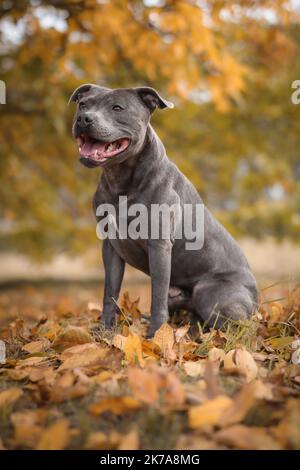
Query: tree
<point x="228" y="65"/>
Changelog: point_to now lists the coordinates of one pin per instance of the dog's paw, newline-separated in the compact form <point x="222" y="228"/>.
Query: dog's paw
<point x="107" y="321"/>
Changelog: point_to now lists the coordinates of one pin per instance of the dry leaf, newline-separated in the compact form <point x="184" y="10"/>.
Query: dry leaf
<point x="209" y="413"/>
<point x="36" y="346"/>
<point x="72" y="335"/>
<point x="55" y="437"/>
<point x="119" y="341"/>
<point x="9" y="396"/>
<point x="246" y="438"/>
<point x="241" y="361"/>
<point x="130" y="441"/>
<point x="89" y="358"/>
<point x="133" y="350"/>
<point x="164" y="338"/>
<point x="115" y="405"/>
<point x="194" y="369"/>
<point x="216" y="355"/>
<point x="241" y="404"/>
<point x="181" y="332"/>
<point x="101" y="441"/>
<point x="145" y="384"/>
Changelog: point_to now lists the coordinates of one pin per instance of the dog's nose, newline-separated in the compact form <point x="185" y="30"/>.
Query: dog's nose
<point x="85" y="120"/>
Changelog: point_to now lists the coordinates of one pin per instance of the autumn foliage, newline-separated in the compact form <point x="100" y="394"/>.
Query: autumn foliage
<point x="227" y="65"/>
<point x="67" y="384"/>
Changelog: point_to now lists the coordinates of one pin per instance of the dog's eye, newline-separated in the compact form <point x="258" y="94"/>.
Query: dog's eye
<point x="82" y="105"/>
<point x="117" y="107"/>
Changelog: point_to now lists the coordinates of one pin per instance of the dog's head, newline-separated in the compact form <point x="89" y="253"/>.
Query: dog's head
<point x="110" y="125"/>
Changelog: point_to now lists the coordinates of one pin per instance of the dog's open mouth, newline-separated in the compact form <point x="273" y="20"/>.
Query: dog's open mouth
<point x="98" y="150"/>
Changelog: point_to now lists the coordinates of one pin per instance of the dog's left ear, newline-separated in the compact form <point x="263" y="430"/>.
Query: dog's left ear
<point x="152" y="99"/>
<point x="84" y="89"/>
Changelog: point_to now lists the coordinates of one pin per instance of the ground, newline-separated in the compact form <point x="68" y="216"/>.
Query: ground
<point x="67" y="384"/>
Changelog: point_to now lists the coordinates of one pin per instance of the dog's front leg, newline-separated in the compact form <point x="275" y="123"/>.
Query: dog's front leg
<point x="160" y="270"/>
<point x="114" y="271"/>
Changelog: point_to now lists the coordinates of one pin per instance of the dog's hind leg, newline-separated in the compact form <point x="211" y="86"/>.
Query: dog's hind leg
<point x="217" y="301"/>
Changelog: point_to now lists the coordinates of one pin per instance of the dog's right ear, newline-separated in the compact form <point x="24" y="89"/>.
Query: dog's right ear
<point x="76" y="95"/>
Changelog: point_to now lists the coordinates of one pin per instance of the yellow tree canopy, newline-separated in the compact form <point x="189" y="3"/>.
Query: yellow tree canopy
<point x="228" y="65"/>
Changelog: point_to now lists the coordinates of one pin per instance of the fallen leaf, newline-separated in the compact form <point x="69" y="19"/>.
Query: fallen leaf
<point x="79" y="349"/>
<point x="174" y="393"/>
<point x="115" y="405"/>
<point x="164" y="338"/>
<point x="100" y="441"/>
<point x="194" y="369"/>
<point x="181" y="332"/>
<point x="240" y="361"/>
<point x="130" y="441"/>
<point x="247" y="438"/>
<point x="32" y="361"/>
<point x="89" y="358"/>
<point x="9" y="396"/>
<point x="72" y="335"/>
<point x="216" y="355"/>
<point x="145" y="384"/>
<point x="36" y="346"/>
<point x="209" y="413"/>
<point x="241" y="404"/>
<point x="133" y="350"/>
<point x="55" y="437"/>
<point x="119" y="341"/>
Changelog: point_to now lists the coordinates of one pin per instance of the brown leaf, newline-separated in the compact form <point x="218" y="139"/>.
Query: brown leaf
<point x="130" y="441"/>
<point x="194" y="368"/>
<point x="55" y="437"/>
<point x="209" y="413"/>
<point x="241" y="405"/>
<point x="145" y="384"/>
<point x="241" y="361"/>
<point x="216" y="355"/>
<point x="174" y="390"/>
<point x="164" y="338"/>
<point x="181" y="332"/>
<point x="36" y="346"/>
<point x="9" y="396"/>
<point x="72" y="335"/>
<point x="246" y="438"/>
<point x="84" y="359"/>
<point x="115" y="405"/>
<point x="100" y="441"/>
<point x="130" y="307"/>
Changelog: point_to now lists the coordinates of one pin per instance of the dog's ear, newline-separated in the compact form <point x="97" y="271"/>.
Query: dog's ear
<point x="152" y="99"/>
<point x="84" y="89"/>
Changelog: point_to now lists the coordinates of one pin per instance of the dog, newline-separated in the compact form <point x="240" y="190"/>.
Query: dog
<point x="214" y="282"/>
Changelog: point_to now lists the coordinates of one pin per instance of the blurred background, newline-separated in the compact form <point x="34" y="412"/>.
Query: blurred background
<point x="229" y="68"/>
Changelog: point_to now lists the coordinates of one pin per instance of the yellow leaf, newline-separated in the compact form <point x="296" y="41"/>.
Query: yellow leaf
<point x="115" y="405"/>
<point x="133" y="350"/>
<point x="209" y="413"/>
<point x="9" y="396"/>
<point x="130" y="441"/>
<point x="55" y="437"/>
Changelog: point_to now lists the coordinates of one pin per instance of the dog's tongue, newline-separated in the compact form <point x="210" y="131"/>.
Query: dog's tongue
<point x="90" y="148"/>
